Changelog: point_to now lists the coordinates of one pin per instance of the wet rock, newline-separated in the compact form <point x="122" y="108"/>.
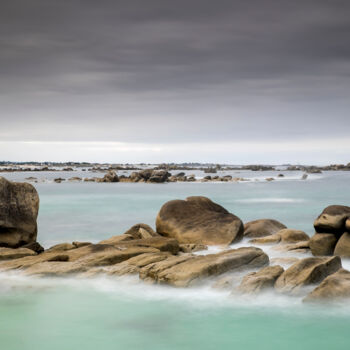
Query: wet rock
<point x="255" y="282"/>
<point x="272" y="239"/>
<point x="342" y="247"/>
<point x="306" y="272"/>
<point x="19" y="205"/>
<point x="334" y="287"/>
<point x="322" y="244"/>
<point x="190" y="270"/>
<point x="198" y="220"/>
<point x="332" y="219"/>
<point x="11" y="253"/>
<point x="262" y="227"/>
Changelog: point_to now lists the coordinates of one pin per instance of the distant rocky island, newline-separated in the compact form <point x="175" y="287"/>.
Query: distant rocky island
<point x="169" y="254"/>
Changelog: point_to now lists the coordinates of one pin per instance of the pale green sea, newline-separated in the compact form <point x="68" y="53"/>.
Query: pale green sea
<point x="112" y="313"/>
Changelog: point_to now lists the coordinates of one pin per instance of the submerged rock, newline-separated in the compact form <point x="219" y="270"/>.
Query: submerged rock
<point x="182" y="271"/>
<point x="19" y="206"/>
<point x="334" y="287"/>
<point x="198" y="220"/>
<point x="305" y="272"/>
<point x="263" y="279"/>
<point x="262" y="227"/>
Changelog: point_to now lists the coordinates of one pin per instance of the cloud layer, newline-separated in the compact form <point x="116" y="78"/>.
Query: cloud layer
<point x="169" y="73"/>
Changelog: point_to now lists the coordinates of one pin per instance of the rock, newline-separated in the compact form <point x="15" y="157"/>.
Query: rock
<point x="305" y="272"/>
<point x="59" y="180"/>
<point x="159" y="176"/>
<point x="61" y="247"/>
<point x="285" y="262"/>
<point x="190" y="248"/>
<point x="19" y="205"/>
<point x="304" y="177"/>
<point x="269" y="179"/>
<point x="256" y="282"/>
<point x="299" y="247"/>
<point x="182" y="271"/>
<point x="224" y="283"/>
<point x="334" y="287"/>
<point x="11" y="253"/>
<point x="347" y="225"/>
<point x="262" y="227"/>
<point x="198" y="220"/>
<point x="80" y="244"/>
<point x="140" y="231"/>
<point x="272" y="239"/>
<point x="161" y="243"/>
<point x="292" y="236"/>
<point x="342" y="247"/>
<point x="322" y="244"/>
<point x="130" y="266"/>
<point x="74" y="178"/>
<point x="332" y="219"/>
<point x="111" y="176"/>
<point x="35" y="246"/>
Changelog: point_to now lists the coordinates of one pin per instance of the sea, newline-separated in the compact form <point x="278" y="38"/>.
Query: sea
<point x="124" y="313"/>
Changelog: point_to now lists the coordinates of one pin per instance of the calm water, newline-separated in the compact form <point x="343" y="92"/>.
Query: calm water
<point x="125" y="314"/>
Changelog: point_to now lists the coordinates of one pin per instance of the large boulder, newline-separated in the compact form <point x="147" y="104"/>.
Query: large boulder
<point x="19" y="205"/>
<point x="305" y="272"/>
<point x="333" y="219"/>
<point x="343" y="246"/>
<point x="182" y="271"/>
<point x="198" y="220"/>
<point x="322" y="243"/>
<point x="292" y="236"/>
<point x="334" y="287"/>
<point x="111" y="176"/>
<point x="262" y="227"/>
<point x="256" y="282"/>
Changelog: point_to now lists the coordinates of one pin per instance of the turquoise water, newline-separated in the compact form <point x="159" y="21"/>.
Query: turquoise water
<point x="126" y="314"/>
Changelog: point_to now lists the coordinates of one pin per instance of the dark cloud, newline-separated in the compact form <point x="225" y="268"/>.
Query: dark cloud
<point x="174" y="71"/>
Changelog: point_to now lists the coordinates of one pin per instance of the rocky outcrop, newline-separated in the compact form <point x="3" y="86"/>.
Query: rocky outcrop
<point x="305" y="272"/>
<point x="182" y="271"/>
<point x="262" y="227"/>
<point x="322" y="244"/>
<point x="198" y="220"/>
<point x="261" y="280"/>
<point x="333" y="221"/>
<point x="11" y="253"/>
<point x="111" y="176"/>
<point x="343" y="246"/>
<point x="334" y="287"/>
<point x="19" y="205"/>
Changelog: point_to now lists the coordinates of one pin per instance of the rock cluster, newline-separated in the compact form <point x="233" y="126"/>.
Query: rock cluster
<point x="167" y="255"/>
<point x="332" y="232"/>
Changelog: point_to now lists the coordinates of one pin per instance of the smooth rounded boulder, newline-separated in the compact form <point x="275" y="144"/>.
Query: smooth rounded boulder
<point x="198" y="220"/>
<point x="262" y="228"/>
<point x="332" y="219"/>
<point x="19" y="206"/>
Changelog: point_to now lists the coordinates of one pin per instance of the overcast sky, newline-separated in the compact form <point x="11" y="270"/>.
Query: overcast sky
<point x="249" y="81"/>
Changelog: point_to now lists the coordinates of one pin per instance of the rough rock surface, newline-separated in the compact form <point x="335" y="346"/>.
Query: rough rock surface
<point x="262" y="227"/>
<point x="343" y="246"/>
<point x="292" y="236"/>
<point x="189" y="270"/>
<point x="19" y="205"/>
<point x="306" y="271"/>
<point x="322" y="244"/>
<point x="256" y="282"/>
<point x="334" y="287"/>
<point x="198" y="220"/>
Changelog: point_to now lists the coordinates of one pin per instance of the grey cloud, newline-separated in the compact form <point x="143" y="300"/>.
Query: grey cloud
<point x="179" y="71"/>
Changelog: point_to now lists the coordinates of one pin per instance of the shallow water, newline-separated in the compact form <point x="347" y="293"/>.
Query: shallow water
<point x="114" y="313"/>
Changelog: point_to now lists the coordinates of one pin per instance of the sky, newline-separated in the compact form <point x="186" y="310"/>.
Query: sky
<point x="224" y="81"/>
